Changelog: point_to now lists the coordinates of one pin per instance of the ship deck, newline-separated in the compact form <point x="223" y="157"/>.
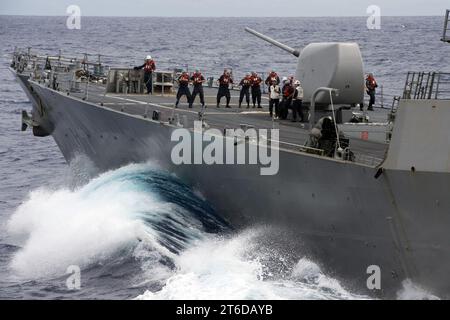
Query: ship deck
<point x="293" y="135"/>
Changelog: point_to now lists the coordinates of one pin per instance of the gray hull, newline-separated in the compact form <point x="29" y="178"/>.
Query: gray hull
<point x="339" y="214"/>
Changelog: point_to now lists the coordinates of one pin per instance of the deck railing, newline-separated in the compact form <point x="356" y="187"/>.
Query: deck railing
<point x="427" y="85"/>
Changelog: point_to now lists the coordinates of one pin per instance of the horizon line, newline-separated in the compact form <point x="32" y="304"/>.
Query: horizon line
<point x="162" y="16"/>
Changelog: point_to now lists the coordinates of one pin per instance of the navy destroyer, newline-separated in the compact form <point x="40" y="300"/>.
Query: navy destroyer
<point x="374" y="204"/>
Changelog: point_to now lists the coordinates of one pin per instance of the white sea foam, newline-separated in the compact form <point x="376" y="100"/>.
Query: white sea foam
<point x="64" y="227"/>
<point x="412" y="291"/>
<point x="91" y="224"/>
<point x="222" y="269"/>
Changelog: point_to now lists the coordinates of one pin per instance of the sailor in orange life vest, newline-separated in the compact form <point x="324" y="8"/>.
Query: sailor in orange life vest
<point x="224" y="88"/>
<point x="371" y="85"/>
<point x="256" y="89"/>
<point x="273" y="77"/>
<point x="198" y="79"/>
<point x="288" y="94"/>
<point x="149" y="66"/>
<point x="245" y="90"/>
<point x="183" y="89"/>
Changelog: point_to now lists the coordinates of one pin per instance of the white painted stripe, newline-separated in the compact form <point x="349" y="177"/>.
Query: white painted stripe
<point x="184" y="110"/>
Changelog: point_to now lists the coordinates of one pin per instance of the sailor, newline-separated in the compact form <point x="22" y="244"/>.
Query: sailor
<point x="288" y="94"/>
<point x="48" y="65"/>
<point x="149" y="66"/>
<point x="245" y="84"/>
<point x="273" y="76"/>
<point x="328" y="137"/>
<point x="198" y="79"/>
<point x="224" y="88"/>
<point x="183" y="89"/>
<point x="274" y="98"/>
<point x="297" y="102"/>
<point x="324" y="136"/>
<point x="256" y="90"/>
<point x="316" y="133"/>
<point x="371" y="85"/>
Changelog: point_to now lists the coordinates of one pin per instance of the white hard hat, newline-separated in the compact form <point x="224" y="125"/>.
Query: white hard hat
<point x="285" y="79"/>
<point x="149" y="57"/>
<point x="297" y="82"/>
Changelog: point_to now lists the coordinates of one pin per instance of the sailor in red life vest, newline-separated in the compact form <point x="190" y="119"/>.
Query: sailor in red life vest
<point x="272" y="78"/>
<point x="198" y="79"/>
<point x="224" y="88"/>
<point x="371" y="85"/>
<point x="245" y="90"/>
<point x="149" y="66"/>
<point x="256" y="89"/>
<point x="288" y="93"/>
<point x="183" y="89"/>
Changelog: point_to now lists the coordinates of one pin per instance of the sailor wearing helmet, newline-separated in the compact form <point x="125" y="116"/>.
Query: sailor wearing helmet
<point x="149" y="66"/>
<point x="297" y="103"/>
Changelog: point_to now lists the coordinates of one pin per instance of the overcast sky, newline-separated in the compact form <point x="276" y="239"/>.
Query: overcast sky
<point x="228" y="8"/>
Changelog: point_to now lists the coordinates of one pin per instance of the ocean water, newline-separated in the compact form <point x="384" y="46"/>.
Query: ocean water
<point x="139" y="232"/>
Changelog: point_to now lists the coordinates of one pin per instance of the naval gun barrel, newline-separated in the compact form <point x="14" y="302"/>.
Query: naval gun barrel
<point x="274" y="42"/>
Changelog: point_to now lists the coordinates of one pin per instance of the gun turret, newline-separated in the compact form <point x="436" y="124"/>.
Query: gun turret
<point x="333" y="65"/>
<point x="274" y="42"/>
